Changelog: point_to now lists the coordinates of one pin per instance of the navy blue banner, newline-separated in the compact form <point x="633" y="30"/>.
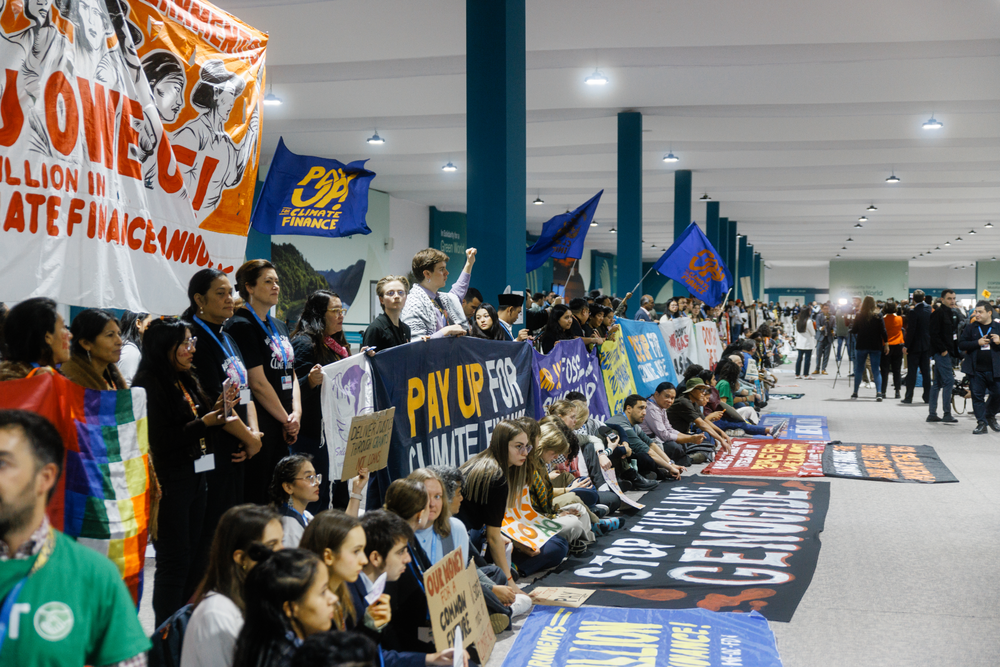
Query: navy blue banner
<point x="449" y="394"/>
<point x="570" y="367"/>
<point x="560" y="637"/>
<point x="313" y="196"/>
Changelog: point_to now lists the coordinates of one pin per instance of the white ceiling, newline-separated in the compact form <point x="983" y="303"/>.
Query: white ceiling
<point x="791" y="114"/>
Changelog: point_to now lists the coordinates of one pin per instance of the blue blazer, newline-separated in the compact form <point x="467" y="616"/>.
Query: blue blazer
<point x="388" y="658"/>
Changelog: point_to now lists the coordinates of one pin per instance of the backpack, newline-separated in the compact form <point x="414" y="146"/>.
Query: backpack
<point x="169" y="638"/>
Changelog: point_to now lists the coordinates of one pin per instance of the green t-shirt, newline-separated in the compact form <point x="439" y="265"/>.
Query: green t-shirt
<point x="725" y="391"/>
<point x="74" y="611"/>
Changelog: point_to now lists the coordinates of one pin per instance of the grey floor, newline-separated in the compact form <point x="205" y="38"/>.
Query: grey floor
<point x="908" y="573"/>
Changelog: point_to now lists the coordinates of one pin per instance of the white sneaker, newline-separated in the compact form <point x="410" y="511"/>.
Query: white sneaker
<point x="522" y="605"/>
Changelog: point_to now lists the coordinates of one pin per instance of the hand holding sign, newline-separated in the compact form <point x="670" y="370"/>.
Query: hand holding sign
<point x="368" y="443"/>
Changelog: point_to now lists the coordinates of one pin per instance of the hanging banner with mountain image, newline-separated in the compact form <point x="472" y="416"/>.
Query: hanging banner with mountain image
<point x="299" y="279"/>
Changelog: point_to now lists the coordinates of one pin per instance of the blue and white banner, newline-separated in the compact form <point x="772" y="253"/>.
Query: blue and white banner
<point x="313" y="196"/>
<point x="647" y="355"/>
<point x="570" y="367"/>
<point x="588" y="636"/>
<point x="800" y="427"/>
<point x="449" y="394"/>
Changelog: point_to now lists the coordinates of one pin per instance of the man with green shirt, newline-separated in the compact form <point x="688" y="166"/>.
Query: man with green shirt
<point x="63" y="604"/>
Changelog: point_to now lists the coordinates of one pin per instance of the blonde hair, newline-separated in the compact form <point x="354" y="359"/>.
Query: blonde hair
<point x="562" y="408"/>
<point x="380" y="286"/>
<point x="582" y="413"/>
<point x="442" y="524"/>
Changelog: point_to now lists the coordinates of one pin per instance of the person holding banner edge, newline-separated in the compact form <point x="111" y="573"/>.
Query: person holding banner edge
<point x="429" y="312"/>
<point x="388" y="330"/>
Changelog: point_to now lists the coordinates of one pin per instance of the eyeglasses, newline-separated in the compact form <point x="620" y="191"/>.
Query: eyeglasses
<point x="336" y="311"/>
<point x="190" y="343"/>
<point x="313" y="480"/>
<point x="523" y="449"/>
<point x="395" y="292"/>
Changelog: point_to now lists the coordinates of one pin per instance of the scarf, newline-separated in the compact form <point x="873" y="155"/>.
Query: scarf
<point x="337" y="348"/>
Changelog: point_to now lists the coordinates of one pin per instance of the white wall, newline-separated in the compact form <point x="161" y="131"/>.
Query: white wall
<point x="942" y="276"/>
<point x="409" y="228"/>
<point x="810" y="275"/>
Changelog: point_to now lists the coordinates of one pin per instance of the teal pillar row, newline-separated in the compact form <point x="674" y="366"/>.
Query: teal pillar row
<point x="713" y="226"/>
<point x="495" y="141"/>
<point x="630" y="206"/>
<point x="682" y="214"/>
<point x="743" y="263"/>
<point x="758" y="286"/>
<point x="734" y="251"/>
<point x="724" y="243"/>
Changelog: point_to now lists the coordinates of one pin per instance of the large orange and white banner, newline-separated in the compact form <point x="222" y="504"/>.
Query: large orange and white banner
<point x="129" y="146"/>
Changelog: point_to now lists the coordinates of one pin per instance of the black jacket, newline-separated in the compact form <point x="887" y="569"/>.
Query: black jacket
<point x="944" y="329"/>
<point x="871" y="333"/>
<point x="969" y="343"/>
<point x="918" y="329"/>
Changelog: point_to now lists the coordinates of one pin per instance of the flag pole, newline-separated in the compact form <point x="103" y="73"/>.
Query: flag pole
<point x="723" y="304"/>
<point x="643" y="278"/>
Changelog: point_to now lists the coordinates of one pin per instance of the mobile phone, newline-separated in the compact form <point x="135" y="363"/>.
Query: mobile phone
<point x="227" y="398"/>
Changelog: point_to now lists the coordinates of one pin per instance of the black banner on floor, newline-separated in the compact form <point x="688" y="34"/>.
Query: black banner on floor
<point x="919" y="464"/>
<point x="721" y="545"/>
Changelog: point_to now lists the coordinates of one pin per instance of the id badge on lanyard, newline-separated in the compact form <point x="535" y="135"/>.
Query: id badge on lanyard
<point x="286" y="382"/>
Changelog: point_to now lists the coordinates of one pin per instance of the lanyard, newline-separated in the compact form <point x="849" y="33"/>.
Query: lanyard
<point x="11" y="599"/>
<point x="418" y="574"/>
<point x="271" y="329"/>
<point x="989" y="330"/>
<point x="302" y="517"/>
<point x="228" y="349"/>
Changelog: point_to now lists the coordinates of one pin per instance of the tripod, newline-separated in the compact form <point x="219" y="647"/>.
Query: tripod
<point x="840" y="357"/>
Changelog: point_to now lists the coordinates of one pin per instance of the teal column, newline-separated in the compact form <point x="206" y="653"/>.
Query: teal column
<point x="724" y="243"/>
<point x="713" y="226"/>
<point x="743" y="263"/>
<point x="734" y="254"/>
<point x="495" y="142"/>
<point x="758" y="287"/>
<point x="629" y="206"/>
<point x="682" y="214"/>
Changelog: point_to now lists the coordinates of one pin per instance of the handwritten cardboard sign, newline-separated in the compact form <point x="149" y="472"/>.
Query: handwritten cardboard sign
<point x="557" y="596"/>
<point x="455" y="600"/>
<point x="523" y="524"/>
<point x="368" y="443"/>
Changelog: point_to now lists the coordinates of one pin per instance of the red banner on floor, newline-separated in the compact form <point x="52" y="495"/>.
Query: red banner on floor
<point x="771" y="458"/>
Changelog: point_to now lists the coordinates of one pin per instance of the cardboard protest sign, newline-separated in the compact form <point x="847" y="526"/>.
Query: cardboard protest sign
<point x="708" y="347"/>
<point x="525" y="525"/>
<point x="887" y="463"/>
<point x="455" y="600"/>
<point x="560" y="597"/>
<point x="368" y="443"/>
<point x="770" y="458"/>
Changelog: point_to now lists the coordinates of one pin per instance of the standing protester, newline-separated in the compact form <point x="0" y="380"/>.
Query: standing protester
<point x="944" y="345"/>
<point x="918" y="347"/>
<point x="485" y="324"/>
<point x="97" y="346"/>
<point x="429" y="312"/>
<point x="893" y="361"/>
<point x="645" y="306"/>
<point x="317" y="340"/>
<point x="35" y="337"/>
<point x="64" y="604"/>
<point x="509" y="311"/>
<point x="981" y="343"/>
<point x="388" y="330"/>
<point x="133" y="326"/>
<point x="471" y="302"/>
<point x="805" y="341"/>
<point x="270" y="362"/>
<point x="580" y="327"/>
<point x="825" y="329"/>
<point x="179" y="418"/>
<point x="872" y="342"/>
<point x="559" y="327"/>
<point x="217" y="358"/>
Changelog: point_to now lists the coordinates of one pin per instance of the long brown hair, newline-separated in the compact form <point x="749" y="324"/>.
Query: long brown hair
<point x="868" y="310"/>
<point x="492" y="463"/>
<point x="406" y="498"/>
<point x="442" y="524"/>
<point x="328" y="530"/>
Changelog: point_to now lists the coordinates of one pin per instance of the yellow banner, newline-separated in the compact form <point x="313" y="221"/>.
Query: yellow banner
<point x="618" y="380"/>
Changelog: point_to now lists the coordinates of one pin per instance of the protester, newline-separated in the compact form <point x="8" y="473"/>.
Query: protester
<point x="872" y="341"/>
<point x="686" y="414"/>
<point x="557" y="328"/>
<point x="509" y="312"/>
<point x="580" y="327"/>
<point x="179" y="418"/>
<point x="494" y="481"/>
<point x="287" y="599"/>
<point x="681" y="447"/>
<point x="295" y="484"/>
<point x="46" y="575"/>
<point x="944" y="346"/>
<point x="645" y="306"/>
<point x="340" y="649"/>
<point x="387" y="330"/>
<point x="429" y="312"/>
<point x="470" y="302"/>
<point x="270" y="362"/>
<point x="318" y="340"/>
<point x="918" y="347"/>
<point x="981" y="343"/>
<point x="133" y="326"/>
<point x="652" y="461"/>
<point x="826" y="325"/>
<point x="893" y="361"/>
<point x="215" y="623"/>
<point x="387" y="537"/>
<point x="805" y="341"/>
<point x="96" y="348"/>
<point x="35" y="337"/>
<point x="485" y="324"/>
<point x="217" y="358"/>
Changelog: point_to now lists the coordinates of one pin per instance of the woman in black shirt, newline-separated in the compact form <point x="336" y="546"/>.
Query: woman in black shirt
<point x="486" y="325"/>
<point x="387" y="330"/>
<point x="270" y="361"/>
<point x="558" y="327"/>
<point x="318" y="340"/>
<point x="872" y="341"/>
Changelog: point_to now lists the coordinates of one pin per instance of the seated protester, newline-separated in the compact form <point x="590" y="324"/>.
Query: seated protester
<point x="494" y="481"/>
<point x="215" y="623"/>
<point x="686" y="414"/>
<point x="91" y="608"/>
<point x="559" y="469"/>
<point x="486" y="325"/>
<point x="616" y="450"/>
<point x="678" y="446"/>
<point x="337" y="649"/>
<point x="557" y="328"/>
<point x="97" y="347"/>
<point x="588" y="463"/>
<point x="295" y="484"/>
<point x="35" y="337"/>
<point x="651" y="459"/>
<point x="287" y="599"/>
<point x="725" y="417"/>
<point x="387" y="537"/>
<point x="388" y="330"/>
<point x="727" y="384"/>
<point x="580" y="327"/>
<point x="509" y="311"/>
<point x="574" y="486"/>
<point x="592" y="424"/>
<point x="408" y="500"/>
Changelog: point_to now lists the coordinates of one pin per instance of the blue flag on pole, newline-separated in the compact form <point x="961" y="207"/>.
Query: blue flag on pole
<point x="693" y="261"/>
<point x="313" y="196"/>
<point x="563" y="235"/>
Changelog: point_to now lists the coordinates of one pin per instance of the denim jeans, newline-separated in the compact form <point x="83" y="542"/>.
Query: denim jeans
<point x="749" y="429"/>
<point x="944" y="380"/>
<point x="807" y="355"/>
<point x="859" y="368"/>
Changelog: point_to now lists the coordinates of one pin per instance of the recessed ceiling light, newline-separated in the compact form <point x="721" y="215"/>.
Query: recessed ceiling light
<point x="538" y="201"/>
<point x="375" y="139"/>
<point x="988" y="225"/>
<point x="863" y="218"/>
<point x="858" y="225"/>
<point x="613" y="230"/>
<point x="947" y="243"/>
<point x="705" y="197"/>
<point x="933" y="124"/>
<point x="972" y="231"/>
<point x="596" y="79"/>
<point x="670" y="157"/>
<point x="893" y="178"/>
<point x="449" y="167"/>
<point x="871" y="207"/>
<point x="593" y="223"/>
